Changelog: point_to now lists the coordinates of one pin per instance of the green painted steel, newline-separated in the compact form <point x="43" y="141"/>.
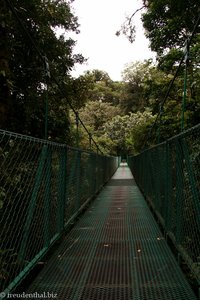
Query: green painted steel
<point x="169" y="177"/>
<point x="115" y="251"/>
<point x="43" y="187"/>
<point x="47" y="199"/>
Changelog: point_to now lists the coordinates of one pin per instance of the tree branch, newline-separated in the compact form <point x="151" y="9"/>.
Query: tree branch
<point x="135" y="12"/>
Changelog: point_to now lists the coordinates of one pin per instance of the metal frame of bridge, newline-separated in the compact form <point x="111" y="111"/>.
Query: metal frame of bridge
<point x="115" y="251"/>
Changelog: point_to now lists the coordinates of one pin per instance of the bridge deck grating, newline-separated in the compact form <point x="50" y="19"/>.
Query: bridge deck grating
<point x="115" y="252"/>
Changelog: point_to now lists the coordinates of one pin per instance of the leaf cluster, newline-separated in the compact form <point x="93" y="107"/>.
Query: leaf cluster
<point x="31" y="31"/>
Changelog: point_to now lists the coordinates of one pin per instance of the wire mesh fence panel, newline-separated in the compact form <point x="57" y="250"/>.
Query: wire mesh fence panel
<point x="86" y="165"/>
<point x="169" y="176"/>
<point x="43" y="186"/>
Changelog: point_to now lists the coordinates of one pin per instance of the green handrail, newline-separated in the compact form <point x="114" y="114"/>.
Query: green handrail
<point x="169" y="176"/>
<point x="43" y="188"/>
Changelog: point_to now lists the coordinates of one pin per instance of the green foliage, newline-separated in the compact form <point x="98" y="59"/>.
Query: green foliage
<point x="127" y="132"/>
<point x="121" y="134"/>
<point x="168" y="23"/>
<point x="26" y="93"/>
<point x="134" y="98"/>
<point x="116" y="132"/>
<point x="96" y="113"/>
<point x="102" y="88"/>
<point x="145" y="86"/>
<point x="102" y="103"/>
<point x="141" y="93"/>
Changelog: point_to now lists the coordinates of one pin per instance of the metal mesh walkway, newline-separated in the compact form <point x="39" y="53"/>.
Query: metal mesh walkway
<point x="115" y="252"/>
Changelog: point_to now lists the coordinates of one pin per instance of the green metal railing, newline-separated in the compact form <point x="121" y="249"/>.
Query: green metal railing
<point x="43" y="187"/>
<point x="169" y="177"/>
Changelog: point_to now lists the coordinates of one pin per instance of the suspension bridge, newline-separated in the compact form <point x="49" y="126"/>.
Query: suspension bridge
<point x="97" y="228"/>
<point x="79" y="225"/>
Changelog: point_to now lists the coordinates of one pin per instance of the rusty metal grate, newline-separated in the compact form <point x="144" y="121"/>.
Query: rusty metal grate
<point x="115" y="252"/>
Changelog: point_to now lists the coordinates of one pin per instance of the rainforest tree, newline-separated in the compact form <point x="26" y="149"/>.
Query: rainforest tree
<point x="31" y="33"/>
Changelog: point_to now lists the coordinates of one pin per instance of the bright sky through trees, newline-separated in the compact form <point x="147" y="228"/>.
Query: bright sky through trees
<point x="99" y="20"/>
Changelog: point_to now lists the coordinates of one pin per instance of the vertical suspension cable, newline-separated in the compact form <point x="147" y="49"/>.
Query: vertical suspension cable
<point x="77" y="130"/>
<point x="160" y="122"/>
<point x="186" y="53"/>
<point x="90" y="141"/>
<point x="47" y="77"/>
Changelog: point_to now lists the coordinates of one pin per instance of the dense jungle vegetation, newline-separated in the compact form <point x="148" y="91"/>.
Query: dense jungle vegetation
<point x="119" y="115"/>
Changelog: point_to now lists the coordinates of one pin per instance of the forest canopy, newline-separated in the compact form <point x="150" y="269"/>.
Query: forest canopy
<point x="36" y="62"/>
